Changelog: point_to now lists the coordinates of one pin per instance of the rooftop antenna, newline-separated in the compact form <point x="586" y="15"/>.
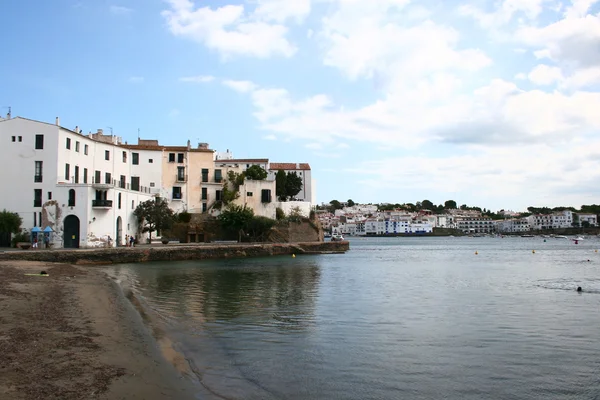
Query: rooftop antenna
<point x="111" y="131"/>
<point x="138" y="135"/>
<point x="9" y="111"/>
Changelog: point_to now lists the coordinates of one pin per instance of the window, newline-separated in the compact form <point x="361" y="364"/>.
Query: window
<point x="72" y="198"/>
<point x="135" y="183"/>
<point x="180" y="158"/>
<point x="171" y="157"/>
<point x="249" y="194"/>
<point x="85" y="149"/>
<point x="69" y="143"/>
<point x="49" y="195"/>
<point x="180" y="174"/>
<point x="14" y="138"/>
<point x="135" y="158"/>
<point x="20" y="138"/>
<point x="37" y="197"/>
<point x="39" y="142"/>
<point x="204" y="207"/>
<point x="151" y="184"/>
<point x="107" y="155"/>
<point x="124" y="156"/>
<point x="34" y="218"/>
<point x="218" y="195"/>
<point x="38" y="172"/>
<point x="97" y="177"/>
<point x="77" y="147"/>
<point x="204" y="175"/>
<point x="67" y="172"/>
<point x="218" y="176"/>
<point x="204" y="194"/>
<point x="266" y="196"/>
<point x="85" y="171"/>
<point x="176" y="193"/>
<point x="119" y="201"/>
<point x="132" y="204"/>
<point x="122" y="182"/>
<point x="107" y="178"/>
<point x="150" y="161"/>
<point x="76" y="174"/>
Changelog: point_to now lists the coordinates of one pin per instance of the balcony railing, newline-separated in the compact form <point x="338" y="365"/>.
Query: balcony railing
<point x="102" y="203"/>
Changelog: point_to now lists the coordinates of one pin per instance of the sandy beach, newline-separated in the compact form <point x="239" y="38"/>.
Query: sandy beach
<point x="74" y="335"/>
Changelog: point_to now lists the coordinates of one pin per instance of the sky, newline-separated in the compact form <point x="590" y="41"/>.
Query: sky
<point x="490" y="103"/>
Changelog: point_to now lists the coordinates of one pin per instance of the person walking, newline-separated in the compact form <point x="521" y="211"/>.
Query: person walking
<point x="131" y="241"/>
<point x="35" y="243"/>
<point x="47" y="241"/>
<point x="126" y="240"/>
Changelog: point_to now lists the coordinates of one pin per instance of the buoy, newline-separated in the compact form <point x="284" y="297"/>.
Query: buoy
<point x="596" y="250"/>
<point x="533" y="251"/>
<point x="293" y="256"/>
<point x="544" y="240"/>
<point x="476" y="253"/>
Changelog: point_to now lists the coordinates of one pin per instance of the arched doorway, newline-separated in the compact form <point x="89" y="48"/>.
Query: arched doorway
<point x="71" y="232"/>
<point x="119" y="241"/>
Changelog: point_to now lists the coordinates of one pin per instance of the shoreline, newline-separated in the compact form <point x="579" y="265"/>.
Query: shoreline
<point x="173" y="252"/>
<point x="73" y="334"/>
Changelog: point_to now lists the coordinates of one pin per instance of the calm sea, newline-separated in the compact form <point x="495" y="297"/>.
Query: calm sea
<point x="394" y="318"/>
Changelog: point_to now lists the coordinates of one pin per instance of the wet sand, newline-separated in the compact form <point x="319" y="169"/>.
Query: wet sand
<point x="74" y="335"/>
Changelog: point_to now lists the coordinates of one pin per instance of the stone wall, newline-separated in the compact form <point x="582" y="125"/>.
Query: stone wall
<point x="173" y="252"/>
<point x="292" y="232"/>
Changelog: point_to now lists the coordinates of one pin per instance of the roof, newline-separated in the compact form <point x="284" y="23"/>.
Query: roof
<point x="289" y="166"/>
<point x="165" y="148"/>
<point x="244" y="160"/>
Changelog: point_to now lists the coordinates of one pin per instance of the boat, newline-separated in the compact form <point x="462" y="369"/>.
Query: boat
<point x="527" y="236"/>
<point x="578" y="238"/>
<point x="560" y="237"/>
<point x="337" y="237"/>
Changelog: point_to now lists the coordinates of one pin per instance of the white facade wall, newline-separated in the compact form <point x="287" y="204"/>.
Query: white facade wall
<point x="592" y="219"/>
<point x="380" y="227"/>
<point x="288" y="206"/>
<point x="96" y="221"/>
<point x="513" y="225"/>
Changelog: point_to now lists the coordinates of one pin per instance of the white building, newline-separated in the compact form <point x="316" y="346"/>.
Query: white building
<point x="303" y="171"/>
<point x="475" y="224"/>
<point x="557" y="220"/>
<point x="82" y="187"/>
<point x="375" y="226"/>
<point x="513" y="225"/>
<point x="591" y="219"/>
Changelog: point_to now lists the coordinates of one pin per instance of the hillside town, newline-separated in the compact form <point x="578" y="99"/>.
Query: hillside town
<point x="371" y="220"/>
<point x="81" y="190"/>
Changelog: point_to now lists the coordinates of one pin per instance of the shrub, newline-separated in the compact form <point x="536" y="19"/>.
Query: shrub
<point x="22" y="236"/>
<point x="279" y="214"/>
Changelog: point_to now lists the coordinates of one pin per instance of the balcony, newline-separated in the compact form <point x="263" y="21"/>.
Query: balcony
<point x="102" y="204"/>
<point x="101" y="185"/>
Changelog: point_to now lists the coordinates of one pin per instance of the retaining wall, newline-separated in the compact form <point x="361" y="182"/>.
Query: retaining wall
<point x="173" y="252"/>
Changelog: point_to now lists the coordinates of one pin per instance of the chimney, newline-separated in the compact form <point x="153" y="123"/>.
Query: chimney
<point x="77" y="129"/>
<point x="57" y="121"/>
<point x="189" y="145"/>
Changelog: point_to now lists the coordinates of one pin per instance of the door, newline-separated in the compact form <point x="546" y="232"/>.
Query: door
<point x="71" y="232"/>
<point x="119" y="241"/>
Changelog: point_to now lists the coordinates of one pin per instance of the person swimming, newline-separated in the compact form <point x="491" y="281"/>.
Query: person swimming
<point x="579" y="289"/>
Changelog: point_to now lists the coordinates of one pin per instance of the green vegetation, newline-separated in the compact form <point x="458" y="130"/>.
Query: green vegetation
<point x="154" y="215"/>
<point x="256" y="173"/>
<point x="242" y="221"/>
<point x="287" y="186"/>
<point x="10" y="222"/>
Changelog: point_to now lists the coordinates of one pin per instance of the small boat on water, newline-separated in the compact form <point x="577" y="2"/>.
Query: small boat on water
<point x="337" y="238"/>
<point x="560" y="237"/>
<point x="527" y="236"/>
<point x="578" y="238"/>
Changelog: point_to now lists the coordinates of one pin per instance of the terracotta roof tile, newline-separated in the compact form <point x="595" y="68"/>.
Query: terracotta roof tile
<point x="288" y="166"/>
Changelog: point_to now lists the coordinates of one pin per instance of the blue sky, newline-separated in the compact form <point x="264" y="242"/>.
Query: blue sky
<point x="489" y="103"/>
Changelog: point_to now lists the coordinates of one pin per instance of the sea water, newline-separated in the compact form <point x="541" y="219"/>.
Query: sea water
<point x="393" y="318"/>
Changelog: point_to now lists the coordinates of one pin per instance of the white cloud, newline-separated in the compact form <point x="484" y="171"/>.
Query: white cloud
<point x="136" y="79"/>
<point x="545" y="75"/>
<point x="282" y="10"/>
<point x="197" y="79"/>
<point x="270" y="137"/>
<point x="230" y="29"/>
<point x="240" y="86"/>
<point x="120" y="10"/>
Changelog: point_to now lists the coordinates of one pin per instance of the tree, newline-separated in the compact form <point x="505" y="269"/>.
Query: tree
<point x="236" y="218"/>
<point x="256" y="173"/>
<point x="259" y="227"/>
<point x="335" y="205"/>
<point x="280" y="187"/>
<point x="350" y="203"/>
<point x="293" y="184"/>
<point x="10" y="222"/>
<point x="427" y="205"/>
<point x="450" y="205"/>
<point x="154" y="215"/>
<point x="231" y="187"/>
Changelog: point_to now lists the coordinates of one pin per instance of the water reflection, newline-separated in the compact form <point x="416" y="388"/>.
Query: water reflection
<point x="266" y="292"/>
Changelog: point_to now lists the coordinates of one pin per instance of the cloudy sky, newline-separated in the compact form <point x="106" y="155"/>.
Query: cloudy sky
<point x="489" y="103"/>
